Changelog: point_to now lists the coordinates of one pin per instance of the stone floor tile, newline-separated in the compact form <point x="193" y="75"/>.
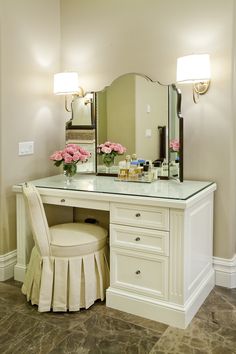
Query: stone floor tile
<point x="158" y="327"/>
<point x="213" y="305"/>
<point x="5" y="309"/>
<point x="41" y="339"/>
<point x="104" y="334"/>
<point x="14" y="327"/>
<point x="66" y="320"/>
<point x="228" y="295"/>
<point x="199" y="337"/>
<point x="13" y="282"/>
<point x="11" y="294"/>
<point x="100" y="329"/>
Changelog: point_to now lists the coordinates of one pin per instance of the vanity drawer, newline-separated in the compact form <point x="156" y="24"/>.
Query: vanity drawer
<point x="140" y="216"/>
<point x="76" y="202"/>
<point x="145" y="274"/>
<point x="140" y="239"/>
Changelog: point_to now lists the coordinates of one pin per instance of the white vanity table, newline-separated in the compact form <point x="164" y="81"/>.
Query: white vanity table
<point x="160" y="241"/>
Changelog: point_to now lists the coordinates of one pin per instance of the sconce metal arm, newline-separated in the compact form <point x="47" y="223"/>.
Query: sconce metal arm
<point x="66" y="105"/>
<point x="200" y="88"/>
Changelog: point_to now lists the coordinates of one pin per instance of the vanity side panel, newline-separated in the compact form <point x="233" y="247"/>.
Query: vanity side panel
<point x="198" y="246"/>
<point x="25" y="241"/>
<point x="191" y="274"/>
<point x="176" y="270"/>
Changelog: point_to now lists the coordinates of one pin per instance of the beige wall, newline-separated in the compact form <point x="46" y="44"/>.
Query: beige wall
<point x="104" y="39"/>
<point x="29" y="56"/>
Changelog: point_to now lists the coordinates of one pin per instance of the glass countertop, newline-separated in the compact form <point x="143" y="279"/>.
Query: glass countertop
<point x="167" y="189"/>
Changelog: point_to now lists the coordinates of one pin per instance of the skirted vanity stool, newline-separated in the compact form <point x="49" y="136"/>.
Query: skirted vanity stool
<point x="68" y="268"/>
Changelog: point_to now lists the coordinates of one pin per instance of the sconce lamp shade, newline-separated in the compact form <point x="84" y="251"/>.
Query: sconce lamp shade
<point x="66" y="83"/>
<point x="193" y="68"/>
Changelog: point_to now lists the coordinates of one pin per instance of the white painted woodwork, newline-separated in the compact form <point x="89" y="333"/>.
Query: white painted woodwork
<point x="225" y="270"/>
<point x="167" y="273"/>
<point x="7" y="263"/>
<point x="131" y="271"/>
<point x="139" y="239"/>
<point x="144" y="216"/>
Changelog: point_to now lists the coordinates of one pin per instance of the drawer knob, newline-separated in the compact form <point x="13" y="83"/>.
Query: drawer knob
<point x="137" y="239"/>
<point x="137" y="272"/>
<point x="137" y="215"/>
<point x="63" y="200"/>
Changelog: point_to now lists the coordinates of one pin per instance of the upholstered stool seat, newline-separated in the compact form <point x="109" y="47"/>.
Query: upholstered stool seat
<point x="68" y="267"/>
<point x="81" y="239"/>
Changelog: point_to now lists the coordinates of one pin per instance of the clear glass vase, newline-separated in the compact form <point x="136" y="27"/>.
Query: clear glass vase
<point x="69" y="171"/>
<point x="108" y="160"/>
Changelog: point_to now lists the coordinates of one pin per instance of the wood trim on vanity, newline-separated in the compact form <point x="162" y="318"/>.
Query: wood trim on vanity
<point x="7" y="263"/>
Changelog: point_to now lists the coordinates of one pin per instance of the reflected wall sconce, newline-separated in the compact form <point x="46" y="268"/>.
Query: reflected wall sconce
<point x="195" y="69"/>
<point x="88" y="98"/>
<point x="67" y="83"/>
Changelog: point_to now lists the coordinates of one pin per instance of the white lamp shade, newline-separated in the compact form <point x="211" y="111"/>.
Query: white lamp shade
<point x="193" y="68"/>
<point x="66" y="83"/>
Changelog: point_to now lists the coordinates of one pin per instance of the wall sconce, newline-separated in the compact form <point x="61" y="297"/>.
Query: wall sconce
<point x="67" y="83"/>
<point x="195" y="69"/>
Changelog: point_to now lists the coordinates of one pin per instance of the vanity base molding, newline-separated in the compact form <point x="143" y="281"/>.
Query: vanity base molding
<point x="162" y="311"/>
<point x="19" y="272"/>
<point x="225" y="270"/>
<point x="7" y="262"/>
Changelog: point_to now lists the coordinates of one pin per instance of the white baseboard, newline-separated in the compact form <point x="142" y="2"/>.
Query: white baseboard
<point x="158" y="310"/>
<point x="19" y="272"/>
<point x="225" y="271"/>
<point x="7" y="263"/>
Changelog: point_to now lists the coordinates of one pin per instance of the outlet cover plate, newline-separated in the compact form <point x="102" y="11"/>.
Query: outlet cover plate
<point x="26" y="148"/>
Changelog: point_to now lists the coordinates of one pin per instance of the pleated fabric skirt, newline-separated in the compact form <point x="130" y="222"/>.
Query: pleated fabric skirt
<point x="66" y="284"/>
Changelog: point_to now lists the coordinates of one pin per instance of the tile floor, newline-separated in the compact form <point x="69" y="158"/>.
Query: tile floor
<point x="100" y="330"/>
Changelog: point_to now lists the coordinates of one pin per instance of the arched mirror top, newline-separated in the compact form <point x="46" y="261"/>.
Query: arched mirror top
<point x="138" y="113"/>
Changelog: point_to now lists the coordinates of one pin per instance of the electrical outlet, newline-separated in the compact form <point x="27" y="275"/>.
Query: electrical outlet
<point x="26" y="148"/>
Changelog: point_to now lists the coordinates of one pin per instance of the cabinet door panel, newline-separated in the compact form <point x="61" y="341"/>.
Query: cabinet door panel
<point x="145" y="274"/>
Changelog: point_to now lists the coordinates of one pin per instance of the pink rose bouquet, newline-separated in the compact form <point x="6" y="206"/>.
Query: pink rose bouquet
<point x="174" y="145"/>
<point x="69" y="157"/>
<point x="109" y="151"/>
<point x="71" y="154"/>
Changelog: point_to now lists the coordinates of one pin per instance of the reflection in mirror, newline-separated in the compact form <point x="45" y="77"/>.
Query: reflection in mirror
<point x="80" y="129"/>
<point x="85" y="139"/>
<point x="133" y="111"/>
<point x="142" y="115"/>
<point x="175" y="134"/>
<point x="83" y="115"/>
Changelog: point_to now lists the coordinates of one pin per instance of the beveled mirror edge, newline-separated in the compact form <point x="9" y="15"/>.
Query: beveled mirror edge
<point x="181" y="132"/>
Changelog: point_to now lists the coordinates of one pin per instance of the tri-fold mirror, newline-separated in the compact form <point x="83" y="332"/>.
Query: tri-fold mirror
<point x="142" y="115"/>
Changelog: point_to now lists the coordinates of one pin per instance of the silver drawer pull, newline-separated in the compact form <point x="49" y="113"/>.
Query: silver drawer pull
<point x="137" y="272"/>
<point x="137" y="215"/>
<point x="137" y="239"/>
<point x="63" y="200"/>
